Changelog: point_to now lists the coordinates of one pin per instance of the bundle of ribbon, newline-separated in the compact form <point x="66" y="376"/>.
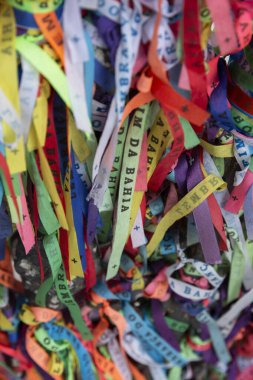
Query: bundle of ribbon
<point x="126" y="189"/>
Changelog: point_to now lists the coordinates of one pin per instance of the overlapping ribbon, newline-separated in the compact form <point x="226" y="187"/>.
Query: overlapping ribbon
<point x="126" y="179"/>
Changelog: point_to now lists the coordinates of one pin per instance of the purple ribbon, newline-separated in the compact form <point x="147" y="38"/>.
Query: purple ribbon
<point x="203" y="219"/>
<point x="248" y="215"/>
<point x="110" y="33"/>
<point x="161" y="326"/>
<point x="181" y="173"/>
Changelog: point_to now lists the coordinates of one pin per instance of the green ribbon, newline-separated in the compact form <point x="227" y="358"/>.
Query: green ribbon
<point x="38" y="6"/>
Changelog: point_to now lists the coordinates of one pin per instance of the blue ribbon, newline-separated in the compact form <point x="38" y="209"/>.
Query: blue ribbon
<point x="79" y="208"/>
<point x="62" y="333"/>
<point x="218" y="100"/>
<point x="26" y="20"/>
